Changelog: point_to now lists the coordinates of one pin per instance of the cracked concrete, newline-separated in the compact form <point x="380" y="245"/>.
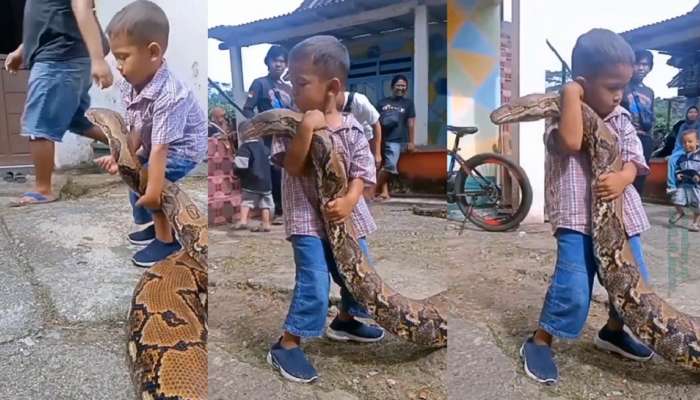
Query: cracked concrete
<point x="67" y="284"/>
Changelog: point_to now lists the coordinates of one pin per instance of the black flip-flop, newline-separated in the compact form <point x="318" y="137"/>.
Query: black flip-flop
<point x="20" y="178"/>
<point x="9" y="177"/>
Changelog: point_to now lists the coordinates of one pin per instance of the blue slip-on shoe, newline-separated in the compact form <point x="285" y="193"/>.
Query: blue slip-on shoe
<point x="292" y="363"/>
<point x="538" y="361"/>
<point x="144" y="236"/>
<point x="154" y="252"/>
<point x="622" y="343"/>
<point x="353" y="330"/>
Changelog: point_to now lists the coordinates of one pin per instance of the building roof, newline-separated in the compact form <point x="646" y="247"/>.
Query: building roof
<point x="360" y="17"/>
<point x="679" y="34"/>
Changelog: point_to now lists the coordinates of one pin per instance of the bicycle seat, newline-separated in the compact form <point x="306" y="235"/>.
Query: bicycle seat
<point x="462" y="130"/>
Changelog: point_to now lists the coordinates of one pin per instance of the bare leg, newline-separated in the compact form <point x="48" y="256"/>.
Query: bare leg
<point x="265" y="218"/>
<point x="614" y="325"/>
<point x="163" y="231"/>
<point x="383" y="184"/>
<point x="344" y="316"/>
<point x="541" y="337"/>
<point x="244" y="215"/>
<point x="290" y="341"/>
<point x="42" y="155"/>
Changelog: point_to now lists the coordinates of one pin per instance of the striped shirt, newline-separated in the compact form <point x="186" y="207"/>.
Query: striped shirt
<point x="568" y="180"/>
<point x="166" y="112"/>
<point x="299" y="196"/>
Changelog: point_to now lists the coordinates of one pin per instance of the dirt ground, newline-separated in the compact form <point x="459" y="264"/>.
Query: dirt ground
<point x="251" y="278"/>
<point x="497" y="286"/>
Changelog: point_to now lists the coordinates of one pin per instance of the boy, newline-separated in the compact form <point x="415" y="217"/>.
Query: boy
<point x="252" y="165"/>
<point x="688" y="180"/>
<point x="319" y="69"/>
<point x="63" y="46"/>
<point x="168" y="127"/>
<point x="603" y="65"/>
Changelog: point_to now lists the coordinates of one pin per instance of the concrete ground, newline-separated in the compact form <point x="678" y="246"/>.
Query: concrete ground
<point x="67" y="284"/>
<point x="497" y="285"/>
<point x="251" y="279"/>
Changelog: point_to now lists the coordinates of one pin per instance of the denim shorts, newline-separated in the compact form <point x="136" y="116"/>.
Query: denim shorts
<point x="568" y="298"/>
<point x="257" y="200"/>
<point x="392" y="152"/>
<point x="309" y="307"/>
<point x="175" y="169"/>
<point x="57" y="98"/>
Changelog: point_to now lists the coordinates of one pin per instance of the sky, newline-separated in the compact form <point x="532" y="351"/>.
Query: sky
<point x="563" y="29"/>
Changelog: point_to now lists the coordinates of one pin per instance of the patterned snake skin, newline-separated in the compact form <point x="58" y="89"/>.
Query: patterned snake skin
<point x="421" y="321"/>
<point x="671" y="333"/>
<point x="167" y="323"/>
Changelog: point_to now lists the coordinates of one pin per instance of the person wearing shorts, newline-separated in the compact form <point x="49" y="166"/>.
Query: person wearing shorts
<point x="252" y="165"/>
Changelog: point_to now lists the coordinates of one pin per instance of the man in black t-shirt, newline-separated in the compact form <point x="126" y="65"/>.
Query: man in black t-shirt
<point x="638" y="99"/>
<point x="397" y="118"/>
<point x="64" y="47"/>
<point x="266" y="93"/>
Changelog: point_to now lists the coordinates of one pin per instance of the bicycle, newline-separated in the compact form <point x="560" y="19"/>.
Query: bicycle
<point x="479" y="185"/>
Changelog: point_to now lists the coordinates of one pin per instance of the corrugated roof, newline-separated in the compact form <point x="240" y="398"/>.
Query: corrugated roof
<point x="647" y="35"/>
<point x="308" y="4"/>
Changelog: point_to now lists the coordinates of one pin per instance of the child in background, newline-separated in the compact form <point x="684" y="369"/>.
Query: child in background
<point x="688" y="180"/>
<point x="170" y="128"/>
<point x="252" y="165"/>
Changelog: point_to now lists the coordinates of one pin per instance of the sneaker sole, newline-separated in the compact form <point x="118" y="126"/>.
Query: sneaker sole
<point x="530" y="374"/>
<point x="609" y="347"/>
<point x="284" y="373"/>
<point x="144" y="264"/>
<point x="342" y="336"/>
<point x="140" y="242"/>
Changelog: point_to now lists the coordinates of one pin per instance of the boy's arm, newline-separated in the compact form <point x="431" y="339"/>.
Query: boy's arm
<point x="296" y="158"/>
<point x="156" y="177"/>
<point x="340" y="208"/>
<point x="87" y="23"/>
<point x="570" y="130"/>
<point x="251" y="100"/>
<point x="377" y="129"/>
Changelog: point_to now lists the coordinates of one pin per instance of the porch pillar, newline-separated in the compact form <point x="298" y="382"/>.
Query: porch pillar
<point x="239" y="92"/>
<point x="531" y="55"/>
<point x="421" y="80"/>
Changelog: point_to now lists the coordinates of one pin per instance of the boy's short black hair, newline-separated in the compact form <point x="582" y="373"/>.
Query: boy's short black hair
<point x="143" y="22"/>
<point x="326" y="53"/>
<point x="642" y="54"/>
<point x="274" y="52"/>
<point x="398" y="77"/>
<point x="598" y="49"/>
<point x="689" y="131"/>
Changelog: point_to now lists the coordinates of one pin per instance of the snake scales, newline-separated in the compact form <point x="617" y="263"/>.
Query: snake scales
<point x="421" y="321"/>
<point x="669" y="332"/>
<point x="167" y="322"/>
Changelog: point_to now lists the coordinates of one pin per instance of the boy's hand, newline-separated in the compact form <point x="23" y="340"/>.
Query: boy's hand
<point x="108" y="164"/>
<point x="13" y="61"/>
<point x="411" y="147"/>
<point x="696" y="178"/>
<point x="101" y="73"/>
<point x="679" y="177"/>
<point x="149" y="200"/>
<point x="573" y="88"/>
<point x="314" y="119"/>
<point x="339" y="209"/>
<point x="610" y="186"/>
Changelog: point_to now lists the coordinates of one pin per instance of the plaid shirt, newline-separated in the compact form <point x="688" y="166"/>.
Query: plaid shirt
<point x="299" y="197"/>
<point x="166" y="112"/>
<point x="568" y="180"/>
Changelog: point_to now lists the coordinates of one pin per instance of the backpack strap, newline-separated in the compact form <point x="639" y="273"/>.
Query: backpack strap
<point x="348" y="104"/>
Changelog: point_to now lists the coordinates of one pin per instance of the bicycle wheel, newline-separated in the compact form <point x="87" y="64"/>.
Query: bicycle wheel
<point x="493" y="192"/>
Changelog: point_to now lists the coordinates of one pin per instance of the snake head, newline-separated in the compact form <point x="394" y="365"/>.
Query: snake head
<point x="532" y="107"/>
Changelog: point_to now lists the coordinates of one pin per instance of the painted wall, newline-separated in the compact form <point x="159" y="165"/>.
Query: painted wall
<point x="185" y="55"/>
<point x="473" y="72"/>
<point x="398" y="45"/>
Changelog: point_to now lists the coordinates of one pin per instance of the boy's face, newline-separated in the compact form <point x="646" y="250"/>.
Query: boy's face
<point x="603" y="92"/>
<point x="310" y="89"/>
<point x="690" y="142"/>
<point x="137" y="63"/>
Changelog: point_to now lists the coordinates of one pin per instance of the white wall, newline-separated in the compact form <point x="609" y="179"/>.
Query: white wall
<point x="186" y="56"/>
<point x="533" y="53"/>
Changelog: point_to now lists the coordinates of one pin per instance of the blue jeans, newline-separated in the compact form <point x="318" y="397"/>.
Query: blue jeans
<point x="392" y="153"/>
<point x="314" y="261"/>
<point x="568" y="298"/>
<point x="57" y="98"/>
<point x="175" y="169"/>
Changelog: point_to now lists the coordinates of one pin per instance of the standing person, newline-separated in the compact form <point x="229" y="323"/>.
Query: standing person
<point x="688" y="180"/>
<point x="397" y="118"/>
<point x="639" y="101"/>
<point x="602" y="64"/>
<point x="364" y="112"/>
<point x="690" y="123"/>
<point x="252" y="165"/>
<point x="64" y="49"/>
<point x="266" y="93"/>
